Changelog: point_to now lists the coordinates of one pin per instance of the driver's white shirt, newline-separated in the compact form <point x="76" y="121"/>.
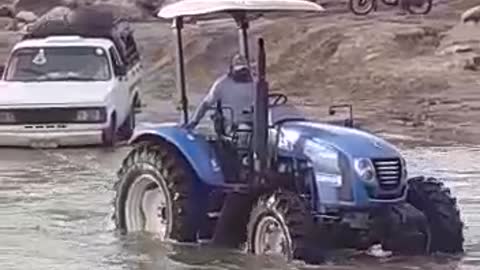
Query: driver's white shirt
<point x="236" y="95"/>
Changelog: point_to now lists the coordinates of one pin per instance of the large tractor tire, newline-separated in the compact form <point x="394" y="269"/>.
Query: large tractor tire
<point x="281" y="225"/>
<point x="155" y="193"/>
<point x="435" y="201"/>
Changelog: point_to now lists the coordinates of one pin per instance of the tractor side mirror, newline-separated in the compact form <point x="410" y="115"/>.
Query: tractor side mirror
<point x="332" y="110"/>
<point x="2" y="70"/>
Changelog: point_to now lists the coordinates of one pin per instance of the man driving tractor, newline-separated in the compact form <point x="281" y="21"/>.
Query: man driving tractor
<point x="235" y="90"/>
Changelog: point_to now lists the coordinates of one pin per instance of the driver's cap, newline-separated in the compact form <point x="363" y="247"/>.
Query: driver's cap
<point x="238" y="62"/>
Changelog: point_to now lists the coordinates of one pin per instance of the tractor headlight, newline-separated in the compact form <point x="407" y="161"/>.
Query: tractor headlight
<point x="7" y="117"/>
<point x="91" y="115"/>
<point x="365" y="169"/>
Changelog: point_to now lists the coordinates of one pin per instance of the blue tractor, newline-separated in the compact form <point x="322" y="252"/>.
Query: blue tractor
<point x="297" y="187"/>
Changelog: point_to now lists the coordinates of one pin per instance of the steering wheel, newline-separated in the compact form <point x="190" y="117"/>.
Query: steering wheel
<point x="278" y="99"/>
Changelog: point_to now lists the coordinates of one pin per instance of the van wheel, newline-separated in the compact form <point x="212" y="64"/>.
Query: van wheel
<point x="110" y="133"/>
<point x="126" y="130"/>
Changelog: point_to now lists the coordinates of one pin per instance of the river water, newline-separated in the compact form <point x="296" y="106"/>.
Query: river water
<point x="55" y="208"/>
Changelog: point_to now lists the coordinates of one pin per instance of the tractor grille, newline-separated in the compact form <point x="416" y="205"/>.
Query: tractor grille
<point x="389" y="172"/>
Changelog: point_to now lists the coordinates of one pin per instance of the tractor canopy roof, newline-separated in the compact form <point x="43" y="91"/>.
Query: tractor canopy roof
<point x="191" y="8"/>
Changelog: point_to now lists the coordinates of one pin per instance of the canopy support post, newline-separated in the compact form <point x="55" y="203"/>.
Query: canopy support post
<point x="181" y="86"/>
<point x="242" y="24"/>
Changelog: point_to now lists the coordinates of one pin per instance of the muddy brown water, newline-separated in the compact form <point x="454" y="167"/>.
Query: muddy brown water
<point x="55" y="210"/>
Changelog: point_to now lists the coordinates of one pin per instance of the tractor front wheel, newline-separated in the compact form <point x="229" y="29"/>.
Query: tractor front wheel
<point x="154" y="193"/>
<point x="280" y="225"/>
<point x="435" y="201"/>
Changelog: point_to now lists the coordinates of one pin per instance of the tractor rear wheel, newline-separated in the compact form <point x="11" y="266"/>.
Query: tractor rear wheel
<point x="435" y="201"/>
<point x="281" y="225"/>
<point x="154" y="193"/>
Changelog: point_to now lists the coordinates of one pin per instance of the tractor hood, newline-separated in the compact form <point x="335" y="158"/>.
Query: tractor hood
<point x="351" y="142"/>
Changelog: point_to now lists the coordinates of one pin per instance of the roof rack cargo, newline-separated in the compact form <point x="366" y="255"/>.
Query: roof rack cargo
<point x="87" y="22"/>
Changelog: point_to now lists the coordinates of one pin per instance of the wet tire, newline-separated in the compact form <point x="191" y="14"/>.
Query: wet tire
<point x="166" y="166"/>
<point x="435" y="201"/>
<point x="286" y="211"/>
<point x="361" y="7"/>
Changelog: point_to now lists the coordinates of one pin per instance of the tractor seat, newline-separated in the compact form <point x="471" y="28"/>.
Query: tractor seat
<point x="284" y="113"/>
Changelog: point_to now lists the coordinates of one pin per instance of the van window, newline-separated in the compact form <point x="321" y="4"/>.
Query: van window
<point x="58" y="64"/>
<point x="116" y="60"/>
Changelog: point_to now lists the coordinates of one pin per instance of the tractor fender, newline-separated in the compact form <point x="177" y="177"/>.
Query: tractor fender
<point x="195" y="148"/>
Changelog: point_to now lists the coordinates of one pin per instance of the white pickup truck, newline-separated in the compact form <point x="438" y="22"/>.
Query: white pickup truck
<point x="74" y="88"/>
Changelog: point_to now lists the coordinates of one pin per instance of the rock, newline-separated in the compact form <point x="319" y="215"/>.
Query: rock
<point x="4" y="23"/>
<point x="149" y="4"/>
<point x="38" y="7"/>
<point x="457" y="48"/>
<point x="472" y="64"/>
<point x="7" y="11"/>
<point x="15" y="25"/>
<point x="71" y="4"/>
<point x="57" y="13"/>
<point x="471" y="15"/>
<point x="26" y="16"/>
<point x="127" y="11"/>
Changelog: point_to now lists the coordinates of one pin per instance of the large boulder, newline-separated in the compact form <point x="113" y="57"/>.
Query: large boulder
<point x="471" y="15"/>
<point x="26" y="17"/>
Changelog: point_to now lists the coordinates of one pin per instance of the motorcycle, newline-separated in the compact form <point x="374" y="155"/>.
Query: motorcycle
<point x="364" y="7"/>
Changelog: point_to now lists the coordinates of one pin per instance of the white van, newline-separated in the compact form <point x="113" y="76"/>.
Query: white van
<point x="70" y="87"/>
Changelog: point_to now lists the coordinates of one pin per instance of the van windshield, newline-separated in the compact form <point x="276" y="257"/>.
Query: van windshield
<point x="59" y="64"/>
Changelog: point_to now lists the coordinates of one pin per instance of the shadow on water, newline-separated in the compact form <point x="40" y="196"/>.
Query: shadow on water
<point x="56" y="214"/>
